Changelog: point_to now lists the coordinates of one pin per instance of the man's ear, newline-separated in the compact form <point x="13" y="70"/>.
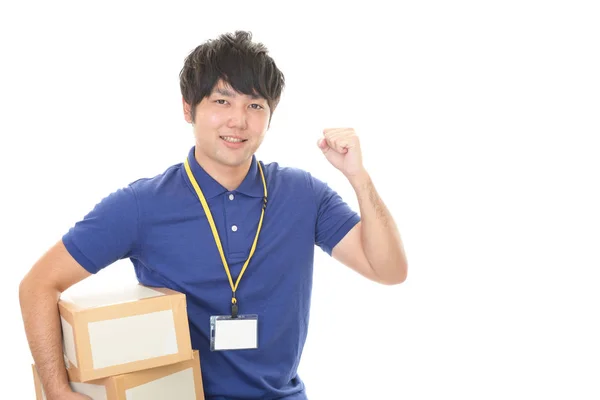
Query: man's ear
<point x="187" y="111"/>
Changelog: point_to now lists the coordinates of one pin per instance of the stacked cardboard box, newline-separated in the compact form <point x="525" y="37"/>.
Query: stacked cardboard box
<point x="127" y="345"/>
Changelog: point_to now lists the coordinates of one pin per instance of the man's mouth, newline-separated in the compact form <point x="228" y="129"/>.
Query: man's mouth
<point x="232" y="139"/>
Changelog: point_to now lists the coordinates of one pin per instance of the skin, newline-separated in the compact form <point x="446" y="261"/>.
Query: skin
<point x="373" y="248"/>
<point x="39" y="292"/>
<point x="226" y="113"/>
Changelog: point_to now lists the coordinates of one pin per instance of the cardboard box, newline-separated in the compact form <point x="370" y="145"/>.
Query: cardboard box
<point x="181" y="381"/>
<point x="130" y="329"/>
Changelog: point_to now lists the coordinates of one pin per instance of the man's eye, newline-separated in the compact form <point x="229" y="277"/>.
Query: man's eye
<point x="221" y="101"/>
<point x="256" y="106"/>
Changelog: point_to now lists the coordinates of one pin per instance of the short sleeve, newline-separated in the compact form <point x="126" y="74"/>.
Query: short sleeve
<point x="335" y="218"/>
<point x="107" y="233"/>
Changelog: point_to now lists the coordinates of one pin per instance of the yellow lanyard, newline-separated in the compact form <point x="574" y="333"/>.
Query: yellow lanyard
<point x="234" y="306"/>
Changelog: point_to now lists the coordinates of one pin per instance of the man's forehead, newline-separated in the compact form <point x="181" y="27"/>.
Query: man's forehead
<point x="225" y="89"/>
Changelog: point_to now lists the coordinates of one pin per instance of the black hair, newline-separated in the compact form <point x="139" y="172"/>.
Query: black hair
<point x="246" y="66"/>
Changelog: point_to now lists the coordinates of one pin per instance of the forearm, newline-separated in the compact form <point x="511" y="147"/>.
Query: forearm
<point x="379" y="234"/>
<point x="42" y="327"/>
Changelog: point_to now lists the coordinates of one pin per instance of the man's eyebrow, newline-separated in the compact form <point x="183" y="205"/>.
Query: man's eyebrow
<point x="228" y="93"/>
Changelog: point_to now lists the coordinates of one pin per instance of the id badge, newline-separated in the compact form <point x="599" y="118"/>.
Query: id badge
<point x="227" y="333"/>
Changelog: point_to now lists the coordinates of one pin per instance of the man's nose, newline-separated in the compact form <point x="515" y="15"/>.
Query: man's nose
<point x="237" y="118"/>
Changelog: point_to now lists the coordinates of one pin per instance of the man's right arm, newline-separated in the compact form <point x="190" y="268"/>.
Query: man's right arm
<point x="39" y="293"/>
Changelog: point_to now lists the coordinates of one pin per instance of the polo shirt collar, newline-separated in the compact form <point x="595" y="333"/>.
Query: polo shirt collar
<point x="251" y="185"/>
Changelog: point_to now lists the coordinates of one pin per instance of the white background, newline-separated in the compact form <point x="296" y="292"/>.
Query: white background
<point x="479" y="123"/>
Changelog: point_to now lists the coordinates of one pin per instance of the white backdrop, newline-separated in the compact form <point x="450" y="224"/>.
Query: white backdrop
<point x="479" y="123"/>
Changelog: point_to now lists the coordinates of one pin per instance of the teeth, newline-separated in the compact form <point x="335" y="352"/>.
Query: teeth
<point x="232" y="140"/>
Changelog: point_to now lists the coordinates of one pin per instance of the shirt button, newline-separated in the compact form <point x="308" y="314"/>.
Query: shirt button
<point x="234" y="228"/>
<point x="231" y="197"/>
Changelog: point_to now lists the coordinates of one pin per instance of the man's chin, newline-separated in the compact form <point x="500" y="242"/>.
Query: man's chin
<point x="236" y="162"/>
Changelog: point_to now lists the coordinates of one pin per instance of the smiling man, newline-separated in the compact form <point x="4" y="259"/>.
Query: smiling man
<point x="235" y="235"/>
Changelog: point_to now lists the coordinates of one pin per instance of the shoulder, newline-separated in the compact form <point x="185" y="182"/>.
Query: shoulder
<point x="277" y="169"/>
<point x="150" y="186"/>
<point x="296" y="179"/>
<point x="285" y="175"/>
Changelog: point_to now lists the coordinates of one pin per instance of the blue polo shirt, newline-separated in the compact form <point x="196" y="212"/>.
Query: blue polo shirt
<point x="159" y="224"/>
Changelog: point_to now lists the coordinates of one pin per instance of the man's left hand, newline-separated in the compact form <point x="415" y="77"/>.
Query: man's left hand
<point x="342" y="149"/>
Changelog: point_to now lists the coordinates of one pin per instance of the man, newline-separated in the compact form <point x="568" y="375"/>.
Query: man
<point x="235" y="235"/>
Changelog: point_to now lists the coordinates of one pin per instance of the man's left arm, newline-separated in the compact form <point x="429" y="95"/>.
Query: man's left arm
<point x="373" y="247"/>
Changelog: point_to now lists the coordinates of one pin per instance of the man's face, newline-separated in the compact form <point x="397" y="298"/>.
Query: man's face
<point x="229" y="126"/>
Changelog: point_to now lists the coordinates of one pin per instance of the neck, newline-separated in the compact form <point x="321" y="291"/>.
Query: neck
<point x="230" y="177"/>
